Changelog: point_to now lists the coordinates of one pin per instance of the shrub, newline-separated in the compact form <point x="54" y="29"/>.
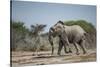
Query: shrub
<point x="88" y="27"/>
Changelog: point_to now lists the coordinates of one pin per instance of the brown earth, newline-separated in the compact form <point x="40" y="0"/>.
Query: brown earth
<point x="22" y="58"/>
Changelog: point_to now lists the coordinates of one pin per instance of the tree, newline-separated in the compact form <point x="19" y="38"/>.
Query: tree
<point x="35" y="33"/>
<point x="37" y="29"/>
<point x="88" y="27"/>
<point x="18" y="31"/>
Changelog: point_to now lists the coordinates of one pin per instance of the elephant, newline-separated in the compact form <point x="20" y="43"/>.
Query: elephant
<point x="52" y="34"/>
<point x="70" y="34"/>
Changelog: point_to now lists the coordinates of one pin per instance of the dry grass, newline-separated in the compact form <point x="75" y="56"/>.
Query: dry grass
<point x="44" y="57"/>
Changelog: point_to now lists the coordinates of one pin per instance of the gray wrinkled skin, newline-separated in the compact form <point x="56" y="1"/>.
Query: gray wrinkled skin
<point x="67" y="34"/>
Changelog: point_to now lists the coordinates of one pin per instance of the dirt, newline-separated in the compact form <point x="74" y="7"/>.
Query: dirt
<point x="23" y="58"/>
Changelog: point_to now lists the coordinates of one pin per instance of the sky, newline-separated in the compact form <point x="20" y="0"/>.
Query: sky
<point x="32" y="13"/>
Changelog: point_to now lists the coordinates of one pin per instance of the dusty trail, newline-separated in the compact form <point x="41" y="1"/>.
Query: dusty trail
<point x="29" y="58"/>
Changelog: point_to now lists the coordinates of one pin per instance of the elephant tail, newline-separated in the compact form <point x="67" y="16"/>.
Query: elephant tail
<point x="86" y="35"/>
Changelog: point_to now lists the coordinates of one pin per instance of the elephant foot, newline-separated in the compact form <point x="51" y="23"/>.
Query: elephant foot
<point x="51" y="53"/>
<point x="70" y="51"/>
<point x="66" y="52"/>
<point x="84" y="52"/>
<point x="33" y="54"/>
<point x="77" y="53"/>
<point x="59" y="54"/>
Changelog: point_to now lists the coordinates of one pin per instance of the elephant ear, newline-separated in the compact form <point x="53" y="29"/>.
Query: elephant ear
<point x="61" y="22"/>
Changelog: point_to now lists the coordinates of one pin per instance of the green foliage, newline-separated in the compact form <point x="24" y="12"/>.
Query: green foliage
<point x="23" y="36"/>
<point x="25" y="39"/>
<point x="88" y="27"/>
<point x="19" y="32"/>
<point x="19" y="27"/>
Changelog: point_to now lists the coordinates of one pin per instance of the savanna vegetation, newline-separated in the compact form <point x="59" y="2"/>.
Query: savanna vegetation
<point x="29" y="39"/>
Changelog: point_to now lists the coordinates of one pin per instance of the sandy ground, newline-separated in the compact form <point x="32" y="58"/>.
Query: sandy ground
<point x="23" y="58"/>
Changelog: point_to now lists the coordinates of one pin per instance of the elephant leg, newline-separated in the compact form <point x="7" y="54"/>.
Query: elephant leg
<point x="52" y="46"/>
<point x="67" y="44"/>
<point x="77" y="52"/>
<point x="60" y="47"/>
<point x="51" y="42"/>
<point x="82" y="42"/>
<point x="69" y="49"/>
<point x="63" y="43"/>
<point x="65" y="49"/>
<point x="52" y="49"/>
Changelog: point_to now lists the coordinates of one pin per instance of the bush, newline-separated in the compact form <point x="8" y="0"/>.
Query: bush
<point x="24" y="40"/>
<point x="88" y="27"/>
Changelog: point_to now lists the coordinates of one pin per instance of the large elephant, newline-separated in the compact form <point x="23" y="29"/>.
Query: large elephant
<point x="70" y="34"/>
